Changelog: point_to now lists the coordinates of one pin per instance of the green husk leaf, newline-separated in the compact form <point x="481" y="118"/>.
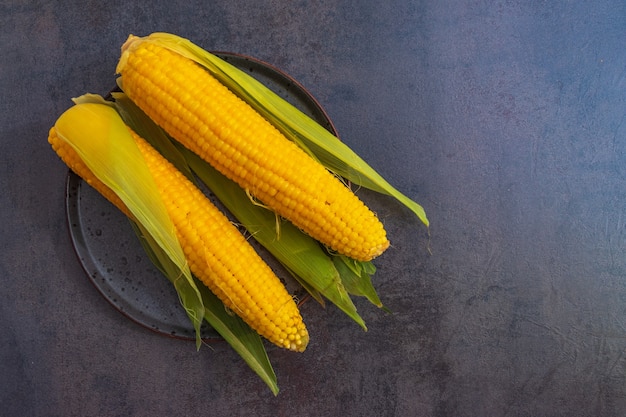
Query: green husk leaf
<point x="356" y="277"/>
<point x="296" y="125"/>
<point x="101" y="139"/>
<point x="245" y="341"/>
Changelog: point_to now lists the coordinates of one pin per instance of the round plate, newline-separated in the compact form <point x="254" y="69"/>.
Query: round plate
<point x="107" y="246"/>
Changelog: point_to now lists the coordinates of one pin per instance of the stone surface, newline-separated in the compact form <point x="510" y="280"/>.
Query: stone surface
<point x="504" y="119"/>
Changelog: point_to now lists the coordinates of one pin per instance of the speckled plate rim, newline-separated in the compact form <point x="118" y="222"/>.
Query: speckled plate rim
<point x="155" y="305"/>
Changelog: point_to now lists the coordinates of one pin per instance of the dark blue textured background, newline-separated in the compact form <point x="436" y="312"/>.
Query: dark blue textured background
<point x="504" y="119"/>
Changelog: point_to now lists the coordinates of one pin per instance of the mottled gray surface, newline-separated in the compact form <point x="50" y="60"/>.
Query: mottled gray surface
<point x="505" y="119"/>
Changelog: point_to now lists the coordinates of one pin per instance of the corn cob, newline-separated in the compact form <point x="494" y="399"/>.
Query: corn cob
<point x="217" y="253"/>
<point x="211" y="121"/>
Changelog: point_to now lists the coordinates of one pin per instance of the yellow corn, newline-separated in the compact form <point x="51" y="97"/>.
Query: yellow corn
<point x="207" y="118"/>
<point x="217" y="253"/>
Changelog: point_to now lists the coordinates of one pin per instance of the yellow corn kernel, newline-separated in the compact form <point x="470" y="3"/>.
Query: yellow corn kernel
<point x="217" y="253"/>
<point x="211" y="121"/>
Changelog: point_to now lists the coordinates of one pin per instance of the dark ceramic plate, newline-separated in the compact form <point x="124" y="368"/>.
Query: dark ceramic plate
<point x="108" y="249"/>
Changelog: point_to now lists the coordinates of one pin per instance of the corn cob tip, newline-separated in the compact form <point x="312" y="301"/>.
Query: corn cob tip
<point x="378" y="250"/>
<point x="299" y="341"/>
<point x="127" y="47"/>
<point x="302" y="346"/>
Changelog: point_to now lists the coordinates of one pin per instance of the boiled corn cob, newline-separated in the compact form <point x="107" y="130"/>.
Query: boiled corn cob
<point x="207" y="118"/>
<point x="217" y="253"/>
